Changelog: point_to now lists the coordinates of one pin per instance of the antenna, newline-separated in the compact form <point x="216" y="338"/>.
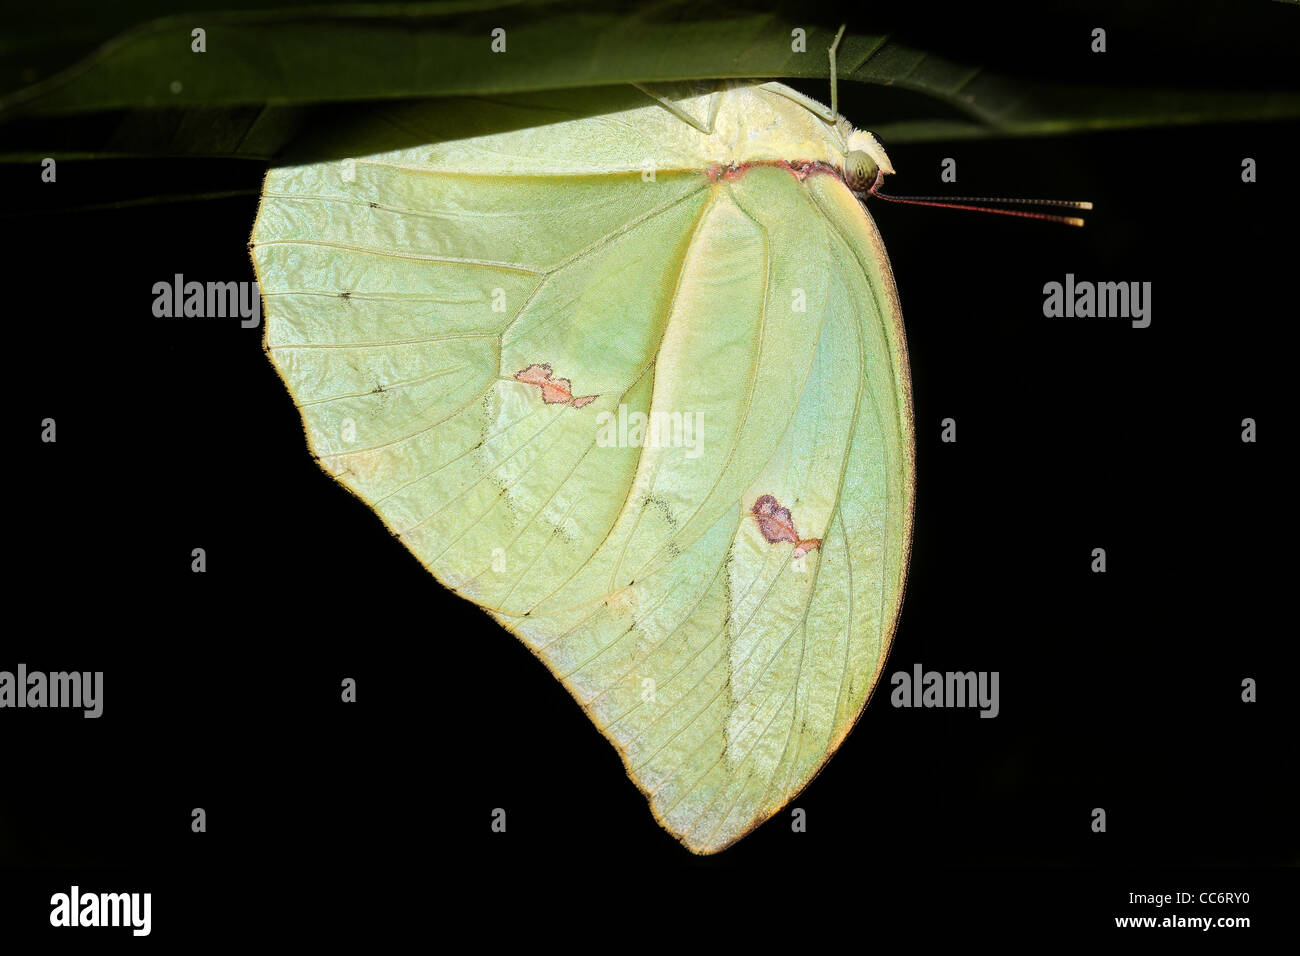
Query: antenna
<point x="962" y="202"/>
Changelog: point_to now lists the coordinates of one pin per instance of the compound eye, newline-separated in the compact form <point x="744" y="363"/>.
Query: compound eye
<point x="859" y="170"/>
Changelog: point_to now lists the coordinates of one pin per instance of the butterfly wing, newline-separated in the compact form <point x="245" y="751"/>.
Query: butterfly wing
<point x="567" y="389"/>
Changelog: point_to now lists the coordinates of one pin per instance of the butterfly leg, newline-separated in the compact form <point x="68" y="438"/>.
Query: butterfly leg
<point x="835" y="93"/>
<point x="681" y="114"/>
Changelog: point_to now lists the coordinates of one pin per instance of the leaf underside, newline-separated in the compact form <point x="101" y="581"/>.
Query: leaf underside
<point x="286" y="60"/>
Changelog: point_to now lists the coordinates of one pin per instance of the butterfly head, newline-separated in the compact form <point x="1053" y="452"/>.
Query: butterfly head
<point x="864" y="160"/>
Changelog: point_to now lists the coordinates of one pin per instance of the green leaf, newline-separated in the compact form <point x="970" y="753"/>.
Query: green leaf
<point x="305" y="55"/>
<point x="244" y="132"/>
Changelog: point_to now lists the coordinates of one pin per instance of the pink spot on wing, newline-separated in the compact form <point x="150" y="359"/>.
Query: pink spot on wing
<point x="555" y="391"/>
<point x="776" y="525"/>
<point x="806" y="545"/>
<point x="773" y="520"/>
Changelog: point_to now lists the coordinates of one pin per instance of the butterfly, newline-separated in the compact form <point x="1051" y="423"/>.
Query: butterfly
<point x="453" y="314"/>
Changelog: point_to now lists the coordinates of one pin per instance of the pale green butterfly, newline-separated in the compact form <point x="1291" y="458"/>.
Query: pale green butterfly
<point x="634" y="379"/>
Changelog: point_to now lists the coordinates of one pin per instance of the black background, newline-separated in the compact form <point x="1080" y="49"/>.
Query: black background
<point x="1119" y="690"/>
